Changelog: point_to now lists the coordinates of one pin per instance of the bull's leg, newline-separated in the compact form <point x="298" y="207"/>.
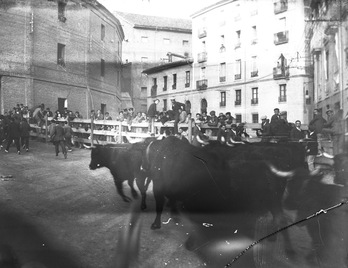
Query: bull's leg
<point x="159" y="198"/>
<point x="133" y="191"/>
<point x="140" y="181"/>
<point x="280" y="221"/>
<point x="119" y="188"/>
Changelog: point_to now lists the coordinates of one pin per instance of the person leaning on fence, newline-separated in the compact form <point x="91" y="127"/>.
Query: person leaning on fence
<point x="25" y="134"/>
<point x="58" y="138"/>
<point x="296" y="133"/>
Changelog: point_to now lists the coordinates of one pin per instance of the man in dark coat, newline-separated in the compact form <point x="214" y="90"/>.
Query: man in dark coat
<point x="13" y="134"/>
<point x="296" y="133"/>
<point x="25" y="134"/>
<point x="175" y="108"/>
<point x="58" y="138"/>
<point x="317" y="124"/>
<point x="152" y="113"/>
<point x="275" y="122"/>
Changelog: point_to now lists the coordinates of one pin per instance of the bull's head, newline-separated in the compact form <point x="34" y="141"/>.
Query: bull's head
<point x="96" y="159"/>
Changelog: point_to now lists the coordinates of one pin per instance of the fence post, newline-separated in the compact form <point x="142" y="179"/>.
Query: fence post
<point x="46" y="128"/>
<point x="190" y="130"/>
<point x="120" y="132"/>
<point x="92" y="128"/>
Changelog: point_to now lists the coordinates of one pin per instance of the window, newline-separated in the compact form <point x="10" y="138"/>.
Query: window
<point x="144" y="39"/>
<point x="143" y="92"/>
<point x="185" y="43"/>
<point x="222" y="48"/>
<point x="255" y="118"/>
<point x="187" y="79"/>
<point x="202" y="73"/>
<point x="165" y="104"/>
<point x="253" y="35"/>
<point x="144" y="59"/>
<point x="282" y="93"/>
<point x="223" y="99"/>
<point x="154" y="87"/>
<point x="254" y="96"/>
<point x="238" y="39"/>
<point x="254" y="70"/>
<point x="238" y="70"/>
<point x="61" y="11"/>
<point x="102" y="32"/>
<point x="238" y="97"/>
<point x="102" y="68"/>
<point x="222" y="75"/>
<point x="103" y="108"/>
<point x="154" y="81"/>
<point x="238" y="118"/>
<point x="174" y="81"/>
<point x="166" y="41"/>
<point x="61" y="55"/>
<point x="165" y="80"/>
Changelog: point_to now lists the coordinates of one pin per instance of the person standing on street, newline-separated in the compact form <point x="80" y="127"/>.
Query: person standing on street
<point x="317" y="124"/>
<point x="58" y="138"/>
<point x="152" y="113"/>
<point x="13" y="134"/>
<point x="67" y="135"/>
<point x="25" y="133"/>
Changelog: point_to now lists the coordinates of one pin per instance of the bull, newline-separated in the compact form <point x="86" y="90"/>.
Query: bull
<point x="124" y="163"/>
<point x="310" y="194"/>
<point x="204" y="182"/>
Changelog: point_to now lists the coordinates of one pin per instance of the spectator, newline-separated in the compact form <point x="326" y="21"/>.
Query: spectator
<point x="233" y="136"/>
<point x="311" y="148"/>
<point x="334" y="126"/>
<point x="107" y="116"/>
<point x="137" y="118"/>
<point x="229" y="119"/>
<point x="99" y="115"/>
<point x="58" y="138"/>
<point x="198" y="118"/>
<point x="71" y="116"/>
<point x="275" y="121"/>
<point x="57" y="115"/>
<point x="182" y="135"/>
<point x="120" y="116"/>
<point x="13" y="134"/>
<point x="152" y="113"/>
<point x="92" y="114"/>
<point x="26" y="113"/>
<point x="175" y="108"/>
<point x="25" y="134"/>
<point x="317" y="124"/>
<point x="78" y="115"/>
<point x="189" y="118"/>
<point x="38" y="115"/>
<point x="282" y="129"/>
<point x="49" y="112"/>
<point x="296" y="133"/>
<point x="182" y="116"/>
<point x="221" y="119"/>
<point x="213" y="119"/>
<point x="68" y="133"/>
<point x="222" y="134"/>
<point x="205" y="118"/>
<point x="265" y="131"/>
<point x="199" y="139"/>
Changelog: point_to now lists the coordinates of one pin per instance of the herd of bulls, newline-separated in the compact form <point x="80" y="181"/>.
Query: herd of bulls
<point x="235" y="185"/>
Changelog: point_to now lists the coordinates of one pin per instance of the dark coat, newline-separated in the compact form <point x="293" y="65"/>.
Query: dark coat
<point x="296" y="135"/>
<point x="317" y="123"/>
<point x="25" y="129"/>
<point x="152" y="111"/>
<point x="176" y="106"/>
<point x="14" y="129"/>
<point x="58" y="133"/>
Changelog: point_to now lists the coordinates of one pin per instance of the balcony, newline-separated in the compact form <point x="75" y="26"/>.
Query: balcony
<point x="281" y="73"/>
<point x="222" y="103"/>
<point x="282" y="98"/>
<point x="174" y="86"/>
<point x="222" y="78"/>
<point x="187" y="84"/>
<point x="255" y="101"/>
<point x="202" y="33"/>
<point x="237" y="45"/>
<point x="254" y="41"/>
<point x="281" y="37"/>
<point x="165" y="88"/>
<point x="202" y="57"/>
<point x="254" y="73"/>
<point x="238" y="102"/>
<point x="154" y="91"/>
<point x="280" y="6"/>
<point x="202" y="84"/>
<point x="237" y="76"/>
<point x="61" y="62"/>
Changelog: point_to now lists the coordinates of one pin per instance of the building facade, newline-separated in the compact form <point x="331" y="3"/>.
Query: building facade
<point x="148" y="40"/>
<point x="251" y="57"/>
<point x="328" y="31"/>
<point x="64" y="53"/>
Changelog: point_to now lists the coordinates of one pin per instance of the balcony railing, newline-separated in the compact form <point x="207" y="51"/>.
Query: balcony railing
<point x="61" y="62"/>
<point x="282" y="99"/>
<point x="187" y="84"/>
<point x="222" y="78"/>
<point x="154" y="91"/>
<point x="281" y="73"/>
<point x="202" y="84"/>
<point x="237" y="76"/>
<point x="280" y="6"/>
<point x="255" y="101"/>
<point x="238" y="102"/>
<point x="202" y="57"/>
<point x="237" y="44"/>
<point x="281" y="37"/>
<point x="165" y="88"/>
<point x="174" y="86"/>
<point x="222" y="103"/>
<point x="254" y="73"/>
<point x="202" y="33"/>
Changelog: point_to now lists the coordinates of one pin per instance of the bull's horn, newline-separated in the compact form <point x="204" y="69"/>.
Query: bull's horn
<point x="281" y="173"/>
<point x="328" y="155"/>
<point x="88" y="147"/>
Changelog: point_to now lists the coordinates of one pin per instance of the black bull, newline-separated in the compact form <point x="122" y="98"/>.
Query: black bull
<point x="124" y="162"/>
<point x="219" y="179"/>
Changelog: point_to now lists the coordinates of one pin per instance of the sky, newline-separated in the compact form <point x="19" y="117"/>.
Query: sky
<point x="161" y="8"/>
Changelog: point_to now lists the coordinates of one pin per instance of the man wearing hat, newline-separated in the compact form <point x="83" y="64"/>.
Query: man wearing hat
<point x="275" y="121"/>
<point x="265" y="130"/>
<point x="175" y="108"/>
<point x="152" y="113"/>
